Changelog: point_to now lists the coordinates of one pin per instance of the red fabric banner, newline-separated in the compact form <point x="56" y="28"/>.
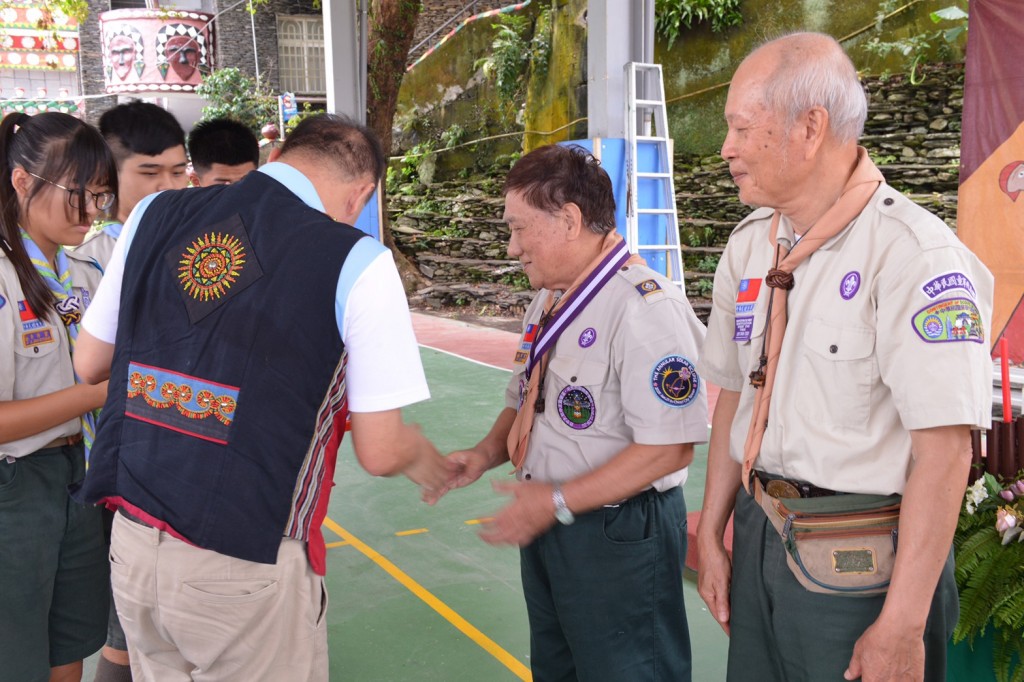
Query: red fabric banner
<point x="990" y="218"/>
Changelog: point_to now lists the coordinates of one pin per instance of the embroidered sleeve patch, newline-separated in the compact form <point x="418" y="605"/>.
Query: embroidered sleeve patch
<point x="179" y="402"/>
<point x="214" y="266"/>
<point x="948" y="320"/>
<point x="675" y="381"/>
<point x="937" y="286"/>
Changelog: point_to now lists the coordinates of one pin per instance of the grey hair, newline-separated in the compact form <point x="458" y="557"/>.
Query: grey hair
<point x="813" y="70"/>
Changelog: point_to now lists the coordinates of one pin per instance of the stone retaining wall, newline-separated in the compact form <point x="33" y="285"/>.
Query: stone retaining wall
<point x="453" y="231"/>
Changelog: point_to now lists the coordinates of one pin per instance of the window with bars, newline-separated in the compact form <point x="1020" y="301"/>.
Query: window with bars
<point x="301" y="55"/>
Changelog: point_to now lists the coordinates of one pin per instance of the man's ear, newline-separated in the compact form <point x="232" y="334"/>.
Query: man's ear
<point x="274" y="154"/>
<point x="815" y="128"/>
<point x="573" y="217"/>
<point x="358" y="198"/>
<point x="194" y="179"/>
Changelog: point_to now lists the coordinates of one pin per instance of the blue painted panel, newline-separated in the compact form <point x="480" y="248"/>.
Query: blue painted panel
<point x="368" y="220"/>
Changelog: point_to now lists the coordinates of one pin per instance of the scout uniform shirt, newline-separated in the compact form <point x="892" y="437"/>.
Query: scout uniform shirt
<point x="35" y="351"/>
<point x="99" y="245"/>
<point x="887" y="333"/>
<point x="623" y="372"/>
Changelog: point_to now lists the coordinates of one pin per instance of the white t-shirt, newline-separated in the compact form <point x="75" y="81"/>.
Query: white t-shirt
<point x="384" y="371"/>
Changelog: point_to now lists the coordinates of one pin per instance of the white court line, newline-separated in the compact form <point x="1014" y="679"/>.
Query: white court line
<point x="463" y="357"/>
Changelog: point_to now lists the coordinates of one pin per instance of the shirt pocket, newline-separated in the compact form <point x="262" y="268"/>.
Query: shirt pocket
<point x="572" y="390"/>
<point x="36" y="343"/>
<point x="837" y="372"/>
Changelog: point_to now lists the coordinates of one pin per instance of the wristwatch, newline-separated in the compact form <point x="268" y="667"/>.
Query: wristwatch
<point x="562" y="513"/>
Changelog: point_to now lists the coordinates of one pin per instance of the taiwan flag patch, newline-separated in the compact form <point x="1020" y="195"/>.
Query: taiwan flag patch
<point x="748" y="291"/>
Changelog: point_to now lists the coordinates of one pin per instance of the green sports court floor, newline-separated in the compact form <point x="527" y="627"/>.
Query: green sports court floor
<point x="415" y="595"/>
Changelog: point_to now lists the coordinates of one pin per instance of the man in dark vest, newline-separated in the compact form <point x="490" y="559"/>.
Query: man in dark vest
<point x="241" y="324"/>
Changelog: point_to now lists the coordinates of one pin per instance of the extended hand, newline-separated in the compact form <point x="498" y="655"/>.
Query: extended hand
<point x="887" y="653"/>
<point x="530" y="513"/>
<point x="464" y="467"/>
<point x="714" y="579"/>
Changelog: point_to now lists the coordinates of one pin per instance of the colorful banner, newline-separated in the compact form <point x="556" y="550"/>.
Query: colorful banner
<point x="36" y="38"/>
<point x="990" y="215"/>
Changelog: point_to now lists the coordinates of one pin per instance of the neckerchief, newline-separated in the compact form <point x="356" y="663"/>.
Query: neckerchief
<point x="558" y="315"/>
<point x="856" y="194"/>
<point x="68" y="307"/>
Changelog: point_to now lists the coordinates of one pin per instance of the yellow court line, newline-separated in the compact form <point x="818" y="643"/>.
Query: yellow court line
<point x="474" y="522"/>
<point x="415" y="531"/>
<point x="460" y="623"/>
<point x="340" y="543"/>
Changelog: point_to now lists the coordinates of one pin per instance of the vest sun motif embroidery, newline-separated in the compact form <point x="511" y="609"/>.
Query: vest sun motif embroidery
<point x="211" y="265"/>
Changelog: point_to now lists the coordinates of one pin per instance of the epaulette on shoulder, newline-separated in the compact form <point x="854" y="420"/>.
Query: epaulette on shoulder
<point x="929" y="231"/>
<point x="646" y="283"/>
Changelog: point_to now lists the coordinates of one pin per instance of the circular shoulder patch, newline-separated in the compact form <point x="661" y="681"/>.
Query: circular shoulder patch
<point x="675" y="381"/>
<point x="576" y="407"/>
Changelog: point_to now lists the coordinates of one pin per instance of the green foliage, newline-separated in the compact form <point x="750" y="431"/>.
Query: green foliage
<point x="400" y="178"/>
<point x="703" y="286"/>
<point x="670" y="16"/>
<point x="913" y="48"/>
<point x="455" y="135"/>
<point x="700" y="236"/>
<point x="990" y="572"/>
<point x="517" y="279"/>
<point x="540" y="46"/>
<point x="234" y="95"/>
<point x="513" y="54"/>
<point x="708" y="263"/>
<point x="307" y="111"/>
<point x="510" y="56"/>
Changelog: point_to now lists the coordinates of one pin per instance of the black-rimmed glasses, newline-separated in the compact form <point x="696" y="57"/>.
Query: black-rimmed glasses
<point x="102" y="201"/>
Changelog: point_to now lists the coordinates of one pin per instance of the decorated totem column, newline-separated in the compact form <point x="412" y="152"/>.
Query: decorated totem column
<point x="156" y="50"/>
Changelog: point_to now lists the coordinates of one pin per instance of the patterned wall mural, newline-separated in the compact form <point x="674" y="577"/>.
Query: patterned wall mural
<point x="156" y="50"/>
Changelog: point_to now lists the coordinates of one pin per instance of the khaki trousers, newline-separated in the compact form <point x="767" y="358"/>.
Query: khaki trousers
<point x="193" y="614"/>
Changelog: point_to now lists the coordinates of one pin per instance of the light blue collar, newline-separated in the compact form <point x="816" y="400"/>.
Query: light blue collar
<point x="294" y="180"/>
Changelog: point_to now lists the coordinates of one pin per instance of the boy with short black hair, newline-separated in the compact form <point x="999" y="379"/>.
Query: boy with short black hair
<point x="149" y="146"/>
<point x="222" y="152"/>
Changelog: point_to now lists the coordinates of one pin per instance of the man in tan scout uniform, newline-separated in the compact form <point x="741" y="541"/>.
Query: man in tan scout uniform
<point x="601" y="415"/>
<point x="874" y="388"/>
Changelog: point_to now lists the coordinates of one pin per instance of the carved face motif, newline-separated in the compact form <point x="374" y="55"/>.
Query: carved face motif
<point x="183" y="55"/>
<point x="121" y="52"/>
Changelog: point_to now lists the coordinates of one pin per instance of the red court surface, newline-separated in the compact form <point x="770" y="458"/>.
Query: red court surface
<point x="496" y="347"/>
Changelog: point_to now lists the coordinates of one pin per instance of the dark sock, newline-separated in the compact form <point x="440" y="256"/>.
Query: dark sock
<point x="108" y="671"/>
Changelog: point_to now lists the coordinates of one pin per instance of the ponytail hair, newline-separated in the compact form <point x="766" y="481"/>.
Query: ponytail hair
<point x="58" y="147"/>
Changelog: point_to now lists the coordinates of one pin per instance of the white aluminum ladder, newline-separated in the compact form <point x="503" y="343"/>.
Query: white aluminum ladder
<point x="652" y="226"/>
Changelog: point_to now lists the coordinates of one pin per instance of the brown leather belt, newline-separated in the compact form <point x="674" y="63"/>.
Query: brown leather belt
<point x="783" y="488"/>
<point x="64" y="440"/>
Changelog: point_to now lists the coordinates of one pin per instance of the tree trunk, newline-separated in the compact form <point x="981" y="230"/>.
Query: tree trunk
<point x="390" y="33"/>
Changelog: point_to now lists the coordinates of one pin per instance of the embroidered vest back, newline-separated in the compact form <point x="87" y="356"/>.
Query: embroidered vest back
<point x="226" y="401"/>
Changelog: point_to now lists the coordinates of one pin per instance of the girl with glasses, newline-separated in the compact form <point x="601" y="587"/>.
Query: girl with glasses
<point x="56" y="176"/>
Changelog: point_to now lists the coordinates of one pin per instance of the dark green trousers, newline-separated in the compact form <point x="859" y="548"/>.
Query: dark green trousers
<point x="605" y="595"/>
<point x="783" y="633"/>
<point x="54" y="571"/>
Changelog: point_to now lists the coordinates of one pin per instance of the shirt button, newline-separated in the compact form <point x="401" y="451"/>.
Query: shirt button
<point x="527" y="477"/>
<point x="833" y="348"/>
<point x="625" y="267"/>
<point x="888" y="201"/>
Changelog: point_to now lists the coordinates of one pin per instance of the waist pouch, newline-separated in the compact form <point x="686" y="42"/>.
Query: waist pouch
<point x="839" y="545"/>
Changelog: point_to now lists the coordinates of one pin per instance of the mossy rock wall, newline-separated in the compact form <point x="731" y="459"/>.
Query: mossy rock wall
<point x="699" y="66"/>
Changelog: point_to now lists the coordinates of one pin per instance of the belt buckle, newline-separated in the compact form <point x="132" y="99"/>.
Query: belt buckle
<point x="780" y="489"/>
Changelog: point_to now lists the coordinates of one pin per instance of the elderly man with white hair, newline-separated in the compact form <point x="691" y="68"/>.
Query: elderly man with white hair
<point x="841" y="438"/>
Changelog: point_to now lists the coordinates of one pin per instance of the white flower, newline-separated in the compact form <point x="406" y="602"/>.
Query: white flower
<point x="976" y="494"/>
